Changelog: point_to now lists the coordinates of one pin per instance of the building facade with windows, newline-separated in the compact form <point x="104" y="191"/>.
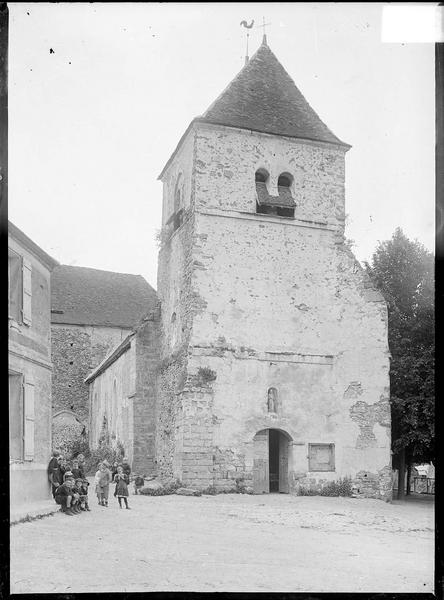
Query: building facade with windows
<point x="274" y="368"/>
<point x="30" y="368"/>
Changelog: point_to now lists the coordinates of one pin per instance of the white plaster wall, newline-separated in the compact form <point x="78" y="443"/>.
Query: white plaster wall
<point x="182" y="164"/>
<point x="118" y="406"/>
<point x="263" y="284"/>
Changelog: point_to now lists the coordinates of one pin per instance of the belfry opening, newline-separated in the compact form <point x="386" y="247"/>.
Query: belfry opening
<point x="270" y="462"/>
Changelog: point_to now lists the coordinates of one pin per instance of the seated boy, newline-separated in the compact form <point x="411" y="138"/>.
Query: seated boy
<point x="76" y="470"/>
<point x="78" y="489"/>
<point x="68" y="475"/>
<point x="138" y="484"/>
<point x="64" y="496"/>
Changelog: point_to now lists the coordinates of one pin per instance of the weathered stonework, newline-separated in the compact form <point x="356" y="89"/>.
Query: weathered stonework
<point x="76" y="351"/>
<point x="264" y="301"/>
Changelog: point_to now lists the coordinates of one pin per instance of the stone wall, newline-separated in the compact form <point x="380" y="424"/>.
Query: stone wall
<point x="76" y="351"/>
<point x="177" y="310"/>
<point x="274" y="302"/>
<point x="144" y="411"/>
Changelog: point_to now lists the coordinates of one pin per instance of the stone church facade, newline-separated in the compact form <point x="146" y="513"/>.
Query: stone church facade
<point x="273" y="367"/>
<point x="274" y="356"/>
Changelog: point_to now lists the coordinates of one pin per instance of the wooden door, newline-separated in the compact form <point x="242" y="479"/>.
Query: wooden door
<point x="261" y="483"/>
<point x="283" y="464"/>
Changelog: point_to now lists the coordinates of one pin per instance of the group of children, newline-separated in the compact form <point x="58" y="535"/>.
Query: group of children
<point x="69" y="483"/>
<point x="120" y="475"/>
<point x="70" y="486"/>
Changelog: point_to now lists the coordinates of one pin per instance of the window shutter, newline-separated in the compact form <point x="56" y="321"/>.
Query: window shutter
<point x="27" y="292"/>
<point x="28" y="394"/>
<point x="321" y="457"/>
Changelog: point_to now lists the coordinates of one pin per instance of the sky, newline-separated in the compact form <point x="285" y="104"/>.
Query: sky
<point x="100" y="94"/>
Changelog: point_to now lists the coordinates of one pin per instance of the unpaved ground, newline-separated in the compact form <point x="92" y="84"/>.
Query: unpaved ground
<point x="229" y="543"/>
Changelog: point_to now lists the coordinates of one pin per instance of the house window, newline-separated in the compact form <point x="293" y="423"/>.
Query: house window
<point x="20" y="288"/>
<point x="15" y="282"/>
<point x="15" y="417"/>
<point x="321" y="457"/>
<point x="21" y="418"/>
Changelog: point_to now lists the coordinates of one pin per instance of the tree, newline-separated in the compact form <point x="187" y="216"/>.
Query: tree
<point x="403" y="270"/>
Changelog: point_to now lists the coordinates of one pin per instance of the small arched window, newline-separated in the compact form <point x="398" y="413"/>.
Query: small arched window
<point x="178" y="203"/>
<point x="261" y="176"/>
<point x="286" y="208"/>
<point x="285" y="180"/>
<point x="272" y="400"/>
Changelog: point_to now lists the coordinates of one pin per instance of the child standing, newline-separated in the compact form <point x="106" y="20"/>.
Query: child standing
<point x="102" y="480"/>
<point x="121" y="480"/>
<point x="84" y="488"/>
<point x="138" y="484"/>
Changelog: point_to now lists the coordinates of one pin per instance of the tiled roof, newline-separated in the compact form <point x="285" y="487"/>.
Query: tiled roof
<point x="84" y="296"/>
<point x="263" y="97"/>
<point x="284" y="200"/>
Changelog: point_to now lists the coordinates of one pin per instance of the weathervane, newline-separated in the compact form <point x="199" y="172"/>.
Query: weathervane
<point x="247" y="27"/>
<point x="250" y="26"/>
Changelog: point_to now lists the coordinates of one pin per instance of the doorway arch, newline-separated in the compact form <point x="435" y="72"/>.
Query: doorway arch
<point x="270" y="461"/>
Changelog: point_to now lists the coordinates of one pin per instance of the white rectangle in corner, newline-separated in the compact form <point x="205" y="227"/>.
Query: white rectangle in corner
<point x="412" y="24"/>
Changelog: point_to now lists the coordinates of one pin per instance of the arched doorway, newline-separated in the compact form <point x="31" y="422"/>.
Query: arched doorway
<point x="270" y="461"/>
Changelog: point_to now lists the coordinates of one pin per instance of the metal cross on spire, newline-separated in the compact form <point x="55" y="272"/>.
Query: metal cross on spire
<point x="250" y="26"/>
<point x="264" y="38"/>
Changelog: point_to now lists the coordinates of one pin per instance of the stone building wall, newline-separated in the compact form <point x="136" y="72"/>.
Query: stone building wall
<point x="112" y="396"/>
<point x="144" y="408"/>
<point x="76" y="351"/>
<point x="122" y="393"/>
<point x="275" y="302"/>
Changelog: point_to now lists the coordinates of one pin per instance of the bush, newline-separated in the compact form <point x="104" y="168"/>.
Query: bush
<point x="342" y="487"/>
<point x="104" y="452"/>
<point x="210" y="491"/>
<point x="168" y="489"/>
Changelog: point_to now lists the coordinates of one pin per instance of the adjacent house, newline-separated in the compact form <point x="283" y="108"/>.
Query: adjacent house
<point x="92" y="311"/>
<point x="122" y="395"/>
<point x="30" y="368"/>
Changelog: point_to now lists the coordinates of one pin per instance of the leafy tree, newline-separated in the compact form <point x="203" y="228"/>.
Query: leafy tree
<point x="403" y="270"/>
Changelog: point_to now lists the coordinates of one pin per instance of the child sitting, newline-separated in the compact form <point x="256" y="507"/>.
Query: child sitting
<point x="64" y="496"/>
<point x="68" y="475"/>
<point x="138" y="484"/>
<point x="121" y="480"/>
<point x="76" y="470"/>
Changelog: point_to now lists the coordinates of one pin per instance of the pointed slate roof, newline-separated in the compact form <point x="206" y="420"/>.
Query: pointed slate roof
<point x="263" y="97"/>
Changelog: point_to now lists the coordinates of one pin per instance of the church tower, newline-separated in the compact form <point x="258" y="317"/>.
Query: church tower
<point x="275" y="362"/>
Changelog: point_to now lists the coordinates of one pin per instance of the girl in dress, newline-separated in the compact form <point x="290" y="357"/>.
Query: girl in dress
<point x="121" y="480"/>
